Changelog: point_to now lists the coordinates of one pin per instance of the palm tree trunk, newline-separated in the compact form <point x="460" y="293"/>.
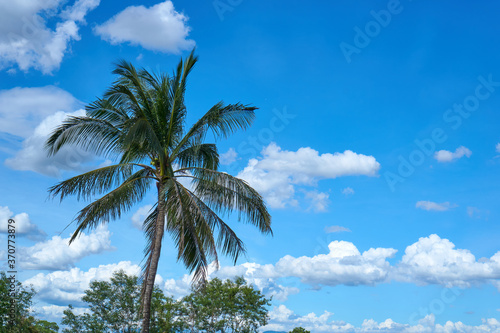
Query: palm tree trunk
<point x="155" y="257"/>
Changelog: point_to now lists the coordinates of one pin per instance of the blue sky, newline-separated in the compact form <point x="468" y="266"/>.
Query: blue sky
<point x="376" y="146"/>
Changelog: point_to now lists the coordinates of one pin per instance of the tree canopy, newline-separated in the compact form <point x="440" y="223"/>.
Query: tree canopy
<point x="230" y="306"/>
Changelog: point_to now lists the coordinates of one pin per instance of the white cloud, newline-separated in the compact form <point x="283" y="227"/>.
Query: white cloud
<point x="347" y="191"/>
<point x="434" y="206"/>
<point x="228" y="157"/>
<point x="55" y="312"/>
<point x="56" y="254"/>
<point x="277" y="173"/>
<point x="336" y="228"/>
<point x="33" y="156"/>
<point x="433" y="260"/>
<point x="135" y="25"/>
<point x="67" y="287"/>
<point x="22" y="109"/>
<point x="140" y="215"/>
<point x="284" y="319"/>
<point x="445" y="156"/>
<point x="262" y="277"/>
<point x="497" y="148"/>
<point x="319" y="201"/>
<point x="27" y="42"/>
<point x="22" y="224"/>
<point x="343" y="265"/>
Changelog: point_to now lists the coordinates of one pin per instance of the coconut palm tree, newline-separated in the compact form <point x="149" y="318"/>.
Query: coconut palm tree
<point x="140" y="124"/>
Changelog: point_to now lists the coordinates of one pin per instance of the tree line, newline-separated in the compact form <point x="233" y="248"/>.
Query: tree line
<point x="225" y="306"/>
<point x="115" y="306"/>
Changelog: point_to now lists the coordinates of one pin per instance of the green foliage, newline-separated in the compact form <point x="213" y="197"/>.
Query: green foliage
<point x="114" y="306"/>
<point x="22" y="319"/>
<point x="299" y="330"/>
<point x="216" y="306"/>
<point x="226" y="306"/>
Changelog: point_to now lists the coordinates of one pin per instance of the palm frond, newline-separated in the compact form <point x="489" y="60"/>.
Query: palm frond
<point x="190" y="231"/>
<point x="142" y="136"/>
<point x="221" y="120"/>
<point x="112" y="205"/>
<point x="203" y="155"/>
<point x="225" y="193"/>
<point x="91" y="183"/>
<point x="176" y="96"/>
<point x="112" y="110"/>
<point x="96" y="135"/>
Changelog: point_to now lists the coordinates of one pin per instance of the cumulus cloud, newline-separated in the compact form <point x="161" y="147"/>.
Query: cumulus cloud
<point x="433" y="260"/>
<point x="336" y="228"/>
<point x="344" y="264"/>
<point x="22" y="109"/>
<point x="32" y="114"/>
<point x="67" y="287"/>
<point x="55" y="312"/>
<point x="445" y="156"/>
<point x="23" y="225"/>
<point x="25" y="39"/>
<point x="430" y="260"/>
<point x="283" y="319"/>
<point x="434" y="206"/>
<point x="135" y="25"/>
<point x="56" y="254"/>
<point x="262" y="277"/>
<point x="33" y="156"/>
<point x="228" y="157"/>
<point x="277" y="172"/>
